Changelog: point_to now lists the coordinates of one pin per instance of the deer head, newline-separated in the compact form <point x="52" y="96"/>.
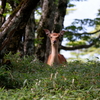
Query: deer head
<point x="54" y="37"/>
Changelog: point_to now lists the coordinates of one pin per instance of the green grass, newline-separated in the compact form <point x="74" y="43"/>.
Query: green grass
<point x="28" y="79"/>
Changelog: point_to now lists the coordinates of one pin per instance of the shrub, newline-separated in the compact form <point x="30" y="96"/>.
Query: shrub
<point x="30" y="79"/>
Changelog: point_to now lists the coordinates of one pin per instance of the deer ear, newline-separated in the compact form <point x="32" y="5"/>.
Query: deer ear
<point x="62" y="32"/>
<point x="47" y="31"/>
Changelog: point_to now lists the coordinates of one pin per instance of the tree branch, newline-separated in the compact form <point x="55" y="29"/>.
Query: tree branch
<point x="85" y="33"/>
<point x="77" y="47"/>
<point x="80" y="46"/>
<point x="18" y="19"/>
<point x="16" y="22"/>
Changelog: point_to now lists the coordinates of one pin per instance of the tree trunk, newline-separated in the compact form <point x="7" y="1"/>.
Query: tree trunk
<point x="46" y="22"/>
<point x="16" y="22"/>
<point x="59" y="15"/>
<point x="29" y="46"/>
<point x="2" y="8"/>
<point x="59" y="18"/>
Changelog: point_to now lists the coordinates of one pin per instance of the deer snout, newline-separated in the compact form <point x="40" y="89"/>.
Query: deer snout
<point x="54" y="41"/>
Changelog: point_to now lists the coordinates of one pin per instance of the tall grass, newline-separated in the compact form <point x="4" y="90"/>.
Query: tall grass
<point x="29" y="79"/>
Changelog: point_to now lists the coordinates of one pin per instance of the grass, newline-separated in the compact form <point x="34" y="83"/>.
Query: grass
<point x="28" y="79"/>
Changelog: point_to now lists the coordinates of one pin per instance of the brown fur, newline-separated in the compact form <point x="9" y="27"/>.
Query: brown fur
<point x="61" y="60"/>
<point x="55" y="58"/>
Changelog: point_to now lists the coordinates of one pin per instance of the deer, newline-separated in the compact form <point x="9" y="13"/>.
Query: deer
<point x="54" y="57"/>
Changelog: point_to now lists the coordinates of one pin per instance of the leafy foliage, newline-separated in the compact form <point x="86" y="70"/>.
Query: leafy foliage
<point x="76" y="43"/>
<point x="76" y="33"/>
<point x="8" y="10"/>
<point x="30" y="79"/>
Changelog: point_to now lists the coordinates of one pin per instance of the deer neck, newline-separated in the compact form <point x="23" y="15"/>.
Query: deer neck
<point x="54" y="53"/>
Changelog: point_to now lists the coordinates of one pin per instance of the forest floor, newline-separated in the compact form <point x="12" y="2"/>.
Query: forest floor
<point x="28" y="79"/>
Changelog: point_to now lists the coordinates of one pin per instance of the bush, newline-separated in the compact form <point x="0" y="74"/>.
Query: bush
<point x="30" y="79"/>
